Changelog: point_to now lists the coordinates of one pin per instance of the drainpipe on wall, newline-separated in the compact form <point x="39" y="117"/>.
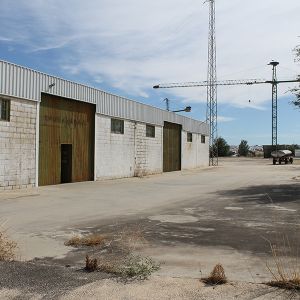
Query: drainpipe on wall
<point x="134" y="146"/>
<point x="37" y="140"/>
<point x="95" y="150"/>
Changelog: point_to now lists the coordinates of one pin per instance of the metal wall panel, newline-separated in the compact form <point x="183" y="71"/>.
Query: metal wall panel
<point x="21" y="82"/>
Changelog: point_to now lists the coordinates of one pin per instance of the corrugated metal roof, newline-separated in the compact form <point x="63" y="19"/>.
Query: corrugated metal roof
<point x="22" y="82"/>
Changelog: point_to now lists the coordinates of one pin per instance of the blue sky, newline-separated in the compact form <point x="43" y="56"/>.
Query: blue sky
<point x="127" y="46"/>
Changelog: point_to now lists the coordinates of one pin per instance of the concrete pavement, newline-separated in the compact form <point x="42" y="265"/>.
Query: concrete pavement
<point x="191" y="219"/>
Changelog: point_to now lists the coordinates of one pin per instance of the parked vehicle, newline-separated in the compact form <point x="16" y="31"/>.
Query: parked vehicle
<point x="281" y="156"/>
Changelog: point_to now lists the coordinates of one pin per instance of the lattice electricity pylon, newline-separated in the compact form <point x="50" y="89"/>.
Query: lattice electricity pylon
<point x="274" y="64"/>
<point x="212" y="104"/>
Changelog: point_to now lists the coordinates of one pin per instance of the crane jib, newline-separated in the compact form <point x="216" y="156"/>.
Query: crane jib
<point x="221" y="83"/>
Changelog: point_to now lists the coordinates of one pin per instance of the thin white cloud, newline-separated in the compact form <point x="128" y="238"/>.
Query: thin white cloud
<point x="223" y="119"/>
<point x="5" y="39"/>
<point x="50" y="46"/>
<point x="133" y="44"/>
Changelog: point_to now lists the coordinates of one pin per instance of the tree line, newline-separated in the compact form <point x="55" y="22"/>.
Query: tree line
<point x="223" y="148"/>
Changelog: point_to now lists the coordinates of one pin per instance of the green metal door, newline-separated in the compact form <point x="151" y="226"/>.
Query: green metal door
<point x="171" y="147"/>
<point x="66" y="122"/>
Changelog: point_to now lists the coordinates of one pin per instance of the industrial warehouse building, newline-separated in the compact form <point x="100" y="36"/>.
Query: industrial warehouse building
<point x="55" y="131"/>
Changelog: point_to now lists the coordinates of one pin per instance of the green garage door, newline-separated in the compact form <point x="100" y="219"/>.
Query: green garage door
<point x="172" y="147"/>
<point x="66" y="148"/>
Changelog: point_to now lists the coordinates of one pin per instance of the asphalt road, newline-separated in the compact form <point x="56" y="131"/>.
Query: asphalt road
<point x="191" y="220"/>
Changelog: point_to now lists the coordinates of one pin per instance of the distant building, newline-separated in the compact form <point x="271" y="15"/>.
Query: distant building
<point x="269" y="148"/>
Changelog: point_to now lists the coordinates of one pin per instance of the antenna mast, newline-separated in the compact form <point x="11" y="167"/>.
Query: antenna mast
<point x="211" y="110"/>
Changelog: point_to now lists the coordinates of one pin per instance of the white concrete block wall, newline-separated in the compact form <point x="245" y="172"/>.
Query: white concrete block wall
<point x="194" y="154"/>
<point x="17" y="145"/>
<point x="148" y="151"/>
<point x="126" y="155"/>
<point x="114" y="153"/>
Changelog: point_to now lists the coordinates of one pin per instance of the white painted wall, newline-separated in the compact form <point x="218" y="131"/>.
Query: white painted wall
<point x="114" y="152"/>
<point x="17" y="145"/>
<point x="148" y="151"/>
<point x="128" y="154"/>
<point x="194" y="154"/>
<point x="134" y="154"/>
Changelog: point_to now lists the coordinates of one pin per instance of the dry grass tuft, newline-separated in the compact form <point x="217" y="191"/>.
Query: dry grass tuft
<point x="131" y="238"/>
<point x="108" y="267"/>
<point x="217" y="276"/>
<point x="89" y="240"/>
<point x="286" y="273"/>
<point x="7" y="247"/>
<point x="291" y="284"/>
<point x="91" y="264"/>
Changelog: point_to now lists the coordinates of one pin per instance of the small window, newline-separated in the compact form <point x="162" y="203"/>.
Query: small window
<point x="4" y="109"/>
<point x="117" y="126"/>
<point x="203" y="139"/>
<point x="150" y="131"/>
<point x="189" y="137"/>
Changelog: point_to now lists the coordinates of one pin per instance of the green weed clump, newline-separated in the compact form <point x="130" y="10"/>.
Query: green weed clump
<point x="133" y="266"/>
<point x="138" y="266"/>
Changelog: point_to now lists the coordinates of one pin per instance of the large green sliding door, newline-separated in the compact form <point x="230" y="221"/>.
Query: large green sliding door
<point x="66" y="140"/>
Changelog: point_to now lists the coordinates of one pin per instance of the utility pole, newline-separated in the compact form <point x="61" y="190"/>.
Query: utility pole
<point x="274" y="64"/>
<point x="211" y="110"/>
<point x="167" y="104"/>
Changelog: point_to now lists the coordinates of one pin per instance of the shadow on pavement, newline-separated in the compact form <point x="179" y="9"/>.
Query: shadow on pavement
<point x="265" y="194"/>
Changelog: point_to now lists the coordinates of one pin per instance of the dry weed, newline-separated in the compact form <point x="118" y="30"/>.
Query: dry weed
<point x="89" y="240"/>
<point x="217" y="276"/>
<point x="109" y="266"/>
<point x="131" y="239"/>
<point x="286" y="272"/>
<point x="132" y="266"/>
<point x="117" y="256"/>
<point x="91" y="264"/>
<point x="7" y="247"/>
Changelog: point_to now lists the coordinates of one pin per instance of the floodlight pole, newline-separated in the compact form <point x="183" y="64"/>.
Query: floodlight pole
<point x="274" y="65"/>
